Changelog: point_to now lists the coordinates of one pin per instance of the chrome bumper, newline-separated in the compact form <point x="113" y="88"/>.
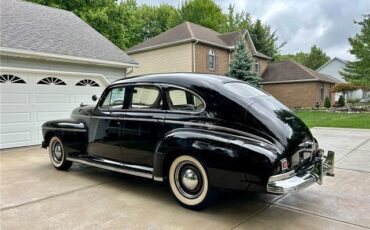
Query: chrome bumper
<point x="293" y="181"/>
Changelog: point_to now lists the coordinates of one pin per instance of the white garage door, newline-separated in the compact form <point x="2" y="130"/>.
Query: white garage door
<point x="28" y="100"/>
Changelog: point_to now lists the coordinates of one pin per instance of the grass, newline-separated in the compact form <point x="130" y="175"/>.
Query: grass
<point x="330" y="119"/>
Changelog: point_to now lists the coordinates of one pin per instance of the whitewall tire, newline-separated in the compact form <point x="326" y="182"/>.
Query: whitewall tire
<point x="188" y="181"/>
<point x="57" y="155"/>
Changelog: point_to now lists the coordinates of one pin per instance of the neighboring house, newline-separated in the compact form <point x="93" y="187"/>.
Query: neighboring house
<point x="297" y="86"/>
<point x="332" y="68"/>
<point x="51" y="61"/>
<point x="189" y="47"/>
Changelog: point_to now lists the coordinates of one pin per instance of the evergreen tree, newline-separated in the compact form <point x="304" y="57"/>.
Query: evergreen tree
<point x="241" y="64"/>
<point x="327" y="102"/>
<point x="358" y="71"/>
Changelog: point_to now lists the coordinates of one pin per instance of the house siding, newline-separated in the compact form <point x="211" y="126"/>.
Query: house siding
<point x="169" y="59"/>
<point x="201" y="59"/>
<point x="299" y="95"/>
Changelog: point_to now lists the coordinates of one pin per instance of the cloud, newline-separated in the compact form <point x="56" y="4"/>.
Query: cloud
<point x="326" y="23"/>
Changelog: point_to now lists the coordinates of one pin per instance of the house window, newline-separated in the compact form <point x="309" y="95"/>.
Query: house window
<point x="256" y="65"/>
<point x="51" y="81"/>
<point x="211" y="59"/>
<point x="8" y="78"/>
<point x="322" y="92"/>
<point x="87" y="82"/>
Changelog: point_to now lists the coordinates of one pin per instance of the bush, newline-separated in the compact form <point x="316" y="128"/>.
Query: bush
<point x="341" y="101"/>
<point x="327" y="102"/>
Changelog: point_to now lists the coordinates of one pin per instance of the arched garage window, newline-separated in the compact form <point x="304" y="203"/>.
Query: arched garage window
<point x="11" y="79"/>
<point x="87" y="82"/>
<point x="51" y="81"/>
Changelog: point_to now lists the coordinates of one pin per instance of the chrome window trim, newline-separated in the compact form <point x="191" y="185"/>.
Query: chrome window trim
<point x="188" y="90"/>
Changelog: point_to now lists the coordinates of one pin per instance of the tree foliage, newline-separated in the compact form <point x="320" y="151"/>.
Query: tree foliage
<point x="344" y="88"/>
<point x="265" y="40"/>
<point x="241" y="65"/>
<point x="358" y="71"/>
<point x="341" y="101"/>
<point x="203" y="12"/>
<point x="327" y="103"/>
<point x="313" y="59"/>
<point x="126" y="23"/>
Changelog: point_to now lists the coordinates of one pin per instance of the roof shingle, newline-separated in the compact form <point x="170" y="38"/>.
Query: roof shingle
<point x="34" y="27"/>
<point x="292" y="71"/>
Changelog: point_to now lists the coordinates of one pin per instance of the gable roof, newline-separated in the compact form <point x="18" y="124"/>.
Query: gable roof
<point x="330" y="61"/>
<point x="191" y="32"/>
<point x="289" y="71"/>
<point x="33" y="28"/>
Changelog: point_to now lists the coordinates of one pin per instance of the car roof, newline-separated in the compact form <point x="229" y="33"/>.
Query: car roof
<point x="180" y="79"/>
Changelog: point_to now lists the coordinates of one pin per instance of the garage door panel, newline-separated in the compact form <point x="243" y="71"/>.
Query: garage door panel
<point x="14" y="117"/>
<point x="45" y="116"/>
<point x="52" y="98"/>
<point x="14" y="127"/>
<point x="13" y="98"/>
<point x="25" y="107"/>
<point x="15" y="137"/>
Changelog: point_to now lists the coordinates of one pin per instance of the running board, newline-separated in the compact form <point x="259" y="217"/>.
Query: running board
<point x="112" y="168"/>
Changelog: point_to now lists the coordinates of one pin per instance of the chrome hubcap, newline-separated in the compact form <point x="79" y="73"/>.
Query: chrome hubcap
<point x="189" y="179"/>
<point x="57" y="151"/>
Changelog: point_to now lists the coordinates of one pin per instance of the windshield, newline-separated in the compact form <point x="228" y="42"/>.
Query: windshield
<point x="244" y="90"/>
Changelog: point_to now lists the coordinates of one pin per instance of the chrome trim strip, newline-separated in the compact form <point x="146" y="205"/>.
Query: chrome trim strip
<point x="65" y="129"/>
<point x="126" y="171"/>
<point x="158" y="178"/>
<point x="124" y="165"/>
<point x="79" y="125"/>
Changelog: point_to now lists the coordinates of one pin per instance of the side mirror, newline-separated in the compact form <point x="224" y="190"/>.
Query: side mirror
<point x="94" y="98"/>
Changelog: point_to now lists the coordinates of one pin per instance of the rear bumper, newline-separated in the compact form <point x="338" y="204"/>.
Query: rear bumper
<point x="293" y="181"/>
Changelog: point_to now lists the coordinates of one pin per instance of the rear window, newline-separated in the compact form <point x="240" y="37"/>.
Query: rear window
<point x="244" y="90"/>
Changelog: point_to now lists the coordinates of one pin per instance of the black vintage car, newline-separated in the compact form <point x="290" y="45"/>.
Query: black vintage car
<point x="199" y="132"/>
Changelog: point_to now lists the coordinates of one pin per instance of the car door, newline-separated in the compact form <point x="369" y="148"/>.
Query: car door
<point x="105" y="132"/>
<point x="143" y="124"/>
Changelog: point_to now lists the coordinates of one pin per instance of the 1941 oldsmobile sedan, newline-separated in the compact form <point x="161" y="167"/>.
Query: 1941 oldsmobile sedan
<point x="198" y="132"/>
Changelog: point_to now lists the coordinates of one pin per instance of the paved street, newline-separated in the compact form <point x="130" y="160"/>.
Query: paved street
<point x="36" y="196"/>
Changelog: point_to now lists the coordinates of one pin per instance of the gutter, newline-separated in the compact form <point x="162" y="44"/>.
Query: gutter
<point x="61" y="57"/>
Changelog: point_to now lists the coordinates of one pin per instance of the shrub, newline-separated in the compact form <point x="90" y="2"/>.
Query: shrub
<point x="327" y="102"/>
<point x="341" y="101"/>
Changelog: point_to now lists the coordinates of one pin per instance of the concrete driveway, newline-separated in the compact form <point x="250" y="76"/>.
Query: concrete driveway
<point x="36" y="196"/>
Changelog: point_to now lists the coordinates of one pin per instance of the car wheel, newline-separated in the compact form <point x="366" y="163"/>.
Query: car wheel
<point x="56" y="154"/>
<point x="188" y="181"/>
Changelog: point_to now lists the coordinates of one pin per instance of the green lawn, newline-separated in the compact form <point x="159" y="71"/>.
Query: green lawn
<point x="340" y="120"/>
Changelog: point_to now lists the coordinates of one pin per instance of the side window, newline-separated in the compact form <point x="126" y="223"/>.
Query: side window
<point x="182" y="100"/>
<point x="146" y="97"/>
<point x="114" y="99"/>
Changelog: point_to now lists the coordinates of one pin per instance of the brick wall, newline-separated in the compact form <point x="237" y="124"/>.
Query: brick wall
<point x="201" y="59"/>
<point x="297" y="95"/>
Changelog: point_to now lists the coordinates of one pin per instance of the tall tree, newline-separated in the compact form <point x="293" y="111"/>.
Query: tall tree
<point x="316" y="58"/>
<point x="235" y="21"/>
<point x="203" y="12"/>
<point x="313" y="59"/>
<point x="241" y="65"/>
<point x="265" y="40"/>
<point x="358" y="71"/>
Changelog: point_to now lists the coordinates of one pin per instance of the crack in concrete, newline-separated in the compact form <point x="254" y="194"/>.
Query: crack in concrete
<point x="356" y="148"/>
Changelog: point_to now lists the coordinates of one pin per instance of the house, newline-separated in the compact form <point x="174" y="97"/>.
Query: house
<point x="189" y="47"/>
<point x="297" y="86"/>
<point x="51" y="61"/>
<point x="333" y="68"/>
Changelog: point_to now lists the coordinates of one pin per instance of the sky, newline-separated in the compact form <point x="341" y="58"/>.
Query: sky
<point x="303" y="23"/>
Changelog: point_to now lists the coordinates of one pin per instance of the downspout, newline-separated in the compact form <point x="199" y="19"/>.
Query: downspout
<point x="193" y="52"/>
